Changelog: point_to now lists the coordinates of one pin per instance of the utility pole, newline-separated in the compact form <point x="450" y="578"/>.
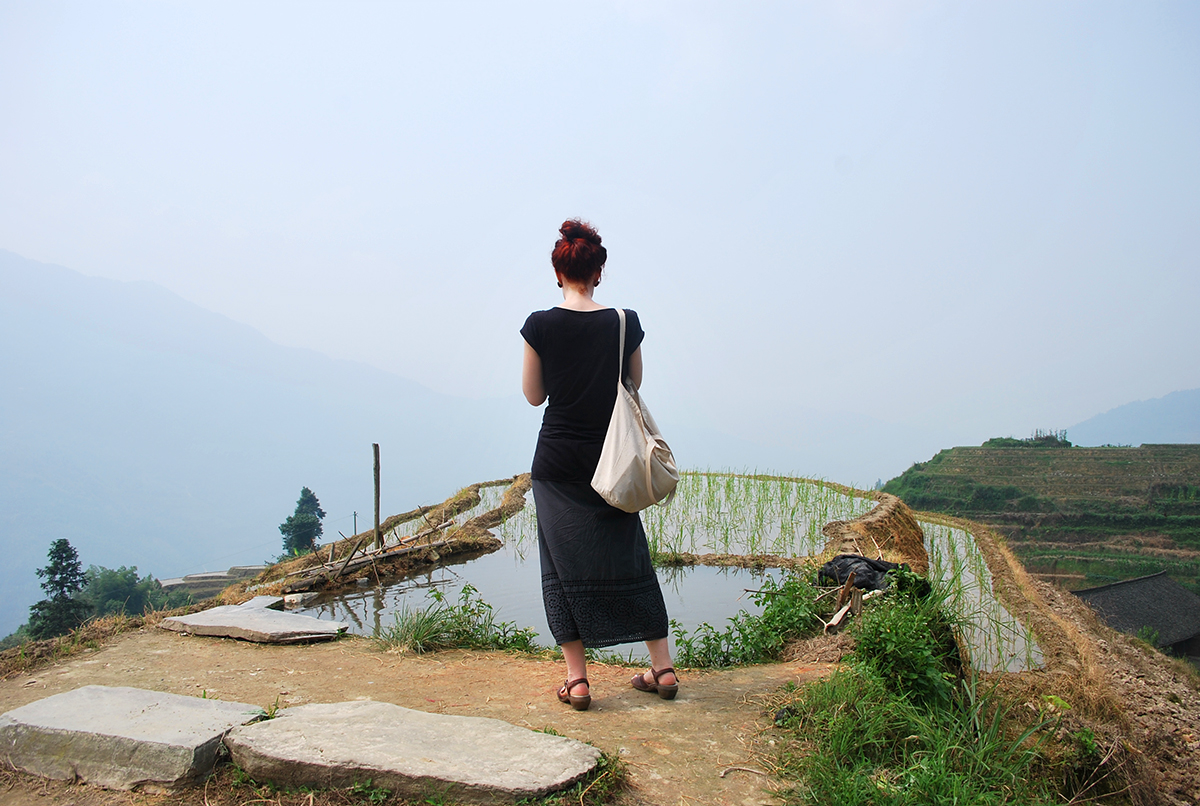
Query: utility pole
<point x="355" y="523"/>
<point x="378" y="535"/>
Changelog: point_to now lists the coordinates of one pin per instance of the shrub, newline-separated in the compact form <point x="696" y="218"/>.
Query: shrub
<point x="906" y="640"/>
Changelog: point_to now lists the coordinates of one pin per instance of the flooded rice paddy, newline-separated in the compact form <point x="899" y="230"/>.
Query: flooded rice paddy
<point x="715" y="513"/>
<point x="998" y="641"/>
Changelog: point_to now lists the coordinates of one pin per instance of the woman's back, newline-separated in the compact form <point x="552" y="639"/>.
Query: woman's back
<point x="578" y="351"/>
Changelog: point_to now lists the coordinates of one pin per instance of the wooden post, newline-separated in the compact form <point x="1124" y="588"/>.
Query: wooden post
<point x="378" y="535"/>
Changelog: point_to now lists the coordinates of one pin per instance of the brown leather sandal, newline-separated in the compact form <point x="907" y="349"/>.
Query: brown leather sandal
<point x="579" y="702"/>
<point x="661" y="689"/>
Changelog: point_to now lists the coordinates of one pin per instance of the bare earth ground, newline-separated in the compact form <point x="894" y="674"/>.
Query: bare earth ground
<point x="676" y="751"/>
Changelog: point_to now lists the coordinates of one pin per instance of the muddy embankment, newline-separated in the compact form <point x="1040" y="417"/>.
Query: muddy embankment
<point x="889" y="531"/>
<point x="412" y="540"/>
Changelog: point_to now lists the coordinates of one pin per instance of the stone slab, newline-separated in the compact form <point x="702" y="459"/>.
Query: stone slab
<point x="253" y="623"/>
<point x="412" y="753"/>
<point x="264" y="602"/>
<point x="121" y="738"/>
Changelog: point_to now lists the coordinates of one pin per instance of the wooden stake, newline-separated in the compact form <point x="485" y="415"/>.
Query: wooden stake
<point x="844" y="593"/>
<point x="378" y="536"/>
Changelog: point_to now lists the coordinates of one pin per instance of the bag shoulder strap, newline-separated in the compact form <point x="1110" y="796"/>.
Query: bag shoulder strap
<point x="621" y="348"/>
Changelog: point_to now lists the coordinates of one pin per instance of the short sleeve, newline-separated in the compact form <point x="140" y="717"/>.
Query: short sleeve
<point x="633" y="333"/>
<point x="532" y="333"/>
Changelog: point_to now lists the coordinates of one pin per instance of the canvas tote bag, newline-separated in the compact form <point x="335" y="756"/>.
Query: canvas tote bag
<point x="636" y="466"/>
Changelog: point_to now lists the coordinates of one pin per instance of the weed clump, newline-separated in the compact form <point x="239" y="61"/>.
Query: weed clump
<point x="902" y="724"/>
<point x="908" y="642"/>
<point x="468" y="624"/>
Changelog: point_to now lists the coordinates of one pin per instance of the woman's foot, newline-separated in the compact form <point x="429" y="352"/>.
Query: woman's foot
<point x="576" y="693"/>
<point x="663" y="682"/>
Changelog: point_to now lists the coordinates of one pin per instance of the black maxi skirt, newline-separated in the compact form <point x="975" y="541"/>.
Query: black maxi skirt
<point x="598" y="584"/>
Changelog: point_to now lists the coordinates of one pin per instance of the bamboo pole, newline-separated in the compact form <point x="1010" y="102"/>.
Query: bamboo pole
<point x="378" y="535"/>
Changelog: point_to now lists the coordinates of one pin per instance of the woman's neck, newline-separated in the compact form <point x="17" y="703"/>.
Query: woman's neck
<point x="578" y="297"/>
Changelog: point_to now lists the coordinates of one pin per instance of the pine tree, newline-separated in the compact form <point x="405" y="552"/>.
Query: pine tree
<point x="64" y="578"/>
<point x="302" y="528"/>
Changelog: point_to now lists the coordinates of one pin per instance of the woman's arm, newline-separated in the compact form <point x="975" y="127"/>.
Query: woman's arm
<point x="531" y="376"/>
<point x="635" y="368"/>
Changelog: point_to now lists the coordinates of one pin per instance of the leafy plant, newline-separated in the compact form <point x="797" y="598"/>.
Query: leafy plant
<point x="468" y="624"/>
<point x="1086" y="740"/>
<point x="1148" y="634"/>
<point x="907" y="641"/>
<point x="369" y="793"/>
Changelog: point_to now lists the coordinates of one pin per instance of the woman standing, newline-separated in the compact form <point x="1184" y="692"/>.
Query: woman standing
<point x="598" y="585"/>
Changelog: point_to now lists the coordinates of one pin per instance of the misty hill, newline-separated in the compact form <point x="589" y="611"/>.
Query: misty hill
<point x="1172" y="419"/>
<point x="151" y="432"/>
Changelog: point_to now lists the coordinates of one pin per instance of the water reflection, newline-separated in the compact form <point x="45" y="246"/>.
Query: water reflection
<point x="510" y="580"/>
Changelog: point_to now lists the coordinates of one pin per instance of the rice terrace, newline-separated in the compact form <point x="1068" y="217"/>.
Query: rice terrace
<point x="965" y="680"/>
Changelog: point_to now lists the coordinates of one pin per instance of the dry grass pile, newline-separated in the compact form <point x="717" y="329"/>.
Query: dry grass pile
<point x="890" y="529"/>
<point x="511" y="503"/>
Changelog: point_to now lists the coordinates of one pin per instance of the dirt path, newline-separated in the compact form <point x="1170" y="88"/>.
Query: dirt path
<point x="676" y="751"/>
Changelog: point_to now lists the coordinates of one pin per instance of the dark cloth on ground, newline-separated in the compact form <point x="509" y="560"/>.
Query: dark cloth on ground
<point x="870" y="575"/>
<point x="598" y="584"/>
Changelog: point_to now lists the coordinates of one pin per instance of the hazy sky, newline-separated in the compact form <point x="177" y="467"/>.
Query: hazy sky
<point x="971" y="218"/>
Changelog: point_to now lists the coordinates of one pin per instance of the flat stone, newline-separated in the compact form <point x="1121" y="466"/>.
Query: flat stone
<point x="254" y="623"/>
<point x="264" y="602"/>
<point x="298" y="599"/>
<point x="412" y="753"/>
<point x="121" y="738"/>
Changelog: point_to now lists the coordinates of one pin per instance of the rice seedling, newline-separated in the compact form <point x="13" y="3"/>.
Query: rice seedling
<point x="726" y="513"/>
<point x="995" y="639"/>
<point x="747" y="514"/>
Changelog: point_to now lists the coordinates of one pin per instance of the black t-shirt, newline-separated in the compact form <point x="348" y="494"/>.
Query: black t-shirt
<point x="579" y="369"/>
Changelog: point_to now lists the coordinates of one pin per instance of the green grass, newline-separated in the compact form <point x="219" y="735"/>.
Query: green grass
<point x="854" y="739"/>
<point x="468" y="624"/>
<point x="902" y="725"/>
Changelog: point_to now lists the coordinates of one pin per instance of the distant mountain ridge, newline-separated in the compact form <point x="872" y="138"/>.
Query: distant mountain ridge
<point x="1169" y="420"/>
<point x="152" y="432"/>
